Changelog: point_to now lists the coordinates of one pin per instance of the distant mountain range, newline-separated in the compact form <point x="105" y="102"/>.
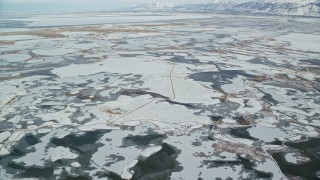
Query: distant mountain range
<point x="268" y="7"/>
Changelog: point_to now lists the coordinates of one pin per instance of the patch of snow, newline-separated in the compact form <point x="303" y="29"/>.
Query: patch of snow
<point x="62" y="153"/>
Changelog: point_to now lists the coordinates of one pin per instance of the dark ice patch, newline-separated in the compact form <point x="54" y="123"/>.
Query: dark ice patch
<point x="215" y="118"/>
<point x="308" y="170"/>
<point x="15" y="166"/>
<point x="72" y="139"/>
<point x="108" y="174"/>
<point x="13" y="23"/>
<point x="77" y="178"/>
<point x="121" y="42"/>
<point x="219" y="78"/>
<point x="143" y="140"/>
<point x="135" y="93"/>
<point x="114" y="158"/>
<point x="317" y="86"/>
<point x="247" y="164"/>
<point x="268" y="97"/>
<point x="187" y="105"/>
<point x="129" y="55"/>
<point x="87" y="138"/>
<point x="31" y="140"/>
<point x="241" y="133"/>
<point x="159" y="165"/>
<point x="182" y="59"/>
<point x="311" y="61"/>
<point x="36" y="172"/>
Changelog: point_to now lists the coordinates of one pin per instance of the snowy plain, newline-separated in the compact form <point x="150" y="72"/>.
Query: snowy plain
<point x="161" y="95"/>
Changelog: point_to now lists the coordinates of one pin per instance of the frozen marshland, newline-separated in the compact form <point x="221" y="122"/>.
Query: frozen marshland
<point x="159" y="96"/>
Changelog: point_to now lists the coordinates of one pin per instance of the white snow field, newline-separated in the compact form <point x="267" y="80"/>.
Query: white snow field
<point x="159" y="96"/>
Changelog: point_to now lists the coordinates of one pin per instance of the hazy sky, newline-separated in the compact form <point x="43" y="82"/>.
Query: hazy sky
<point x="79" y="5"/>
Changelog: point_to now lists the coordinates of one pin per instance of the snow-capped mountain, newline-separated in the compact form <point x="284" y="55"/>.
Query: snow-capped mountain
<point x="216" y="5"/>
<point x="282" y="7"/>
<point x="273" y="7"/>
<point x="154" y="6"/>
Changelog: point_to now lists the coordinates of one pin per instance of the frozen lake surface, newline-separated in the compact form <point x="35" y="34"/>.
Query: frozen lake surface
<point x="159" y="96"/>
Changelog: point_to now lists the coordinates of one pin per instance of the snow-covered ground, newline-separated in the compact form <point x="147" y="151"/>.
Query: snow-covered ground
<point x="159" y="96"/>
